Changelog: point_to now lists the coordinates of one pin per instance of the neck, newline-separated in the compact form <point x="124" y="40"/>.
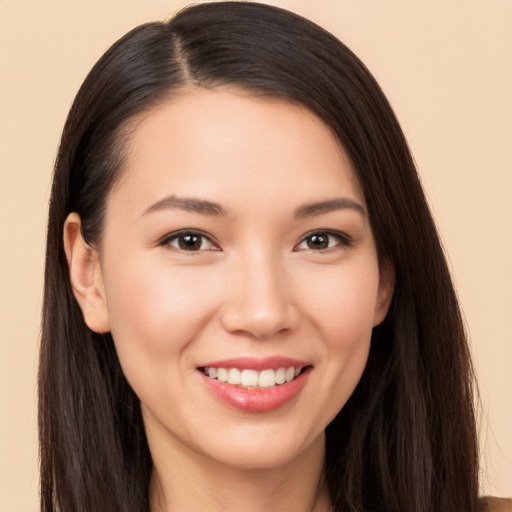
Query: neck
<point x="187" y="482"/>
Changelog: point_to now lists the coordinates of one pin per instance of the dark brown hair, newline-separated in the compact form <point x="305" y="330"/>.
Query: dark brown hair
<point x="406" y="439"/>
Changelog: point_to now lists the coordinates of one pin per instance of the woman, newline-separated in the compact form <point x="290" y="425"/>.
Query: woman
<point x="246" y="301"/>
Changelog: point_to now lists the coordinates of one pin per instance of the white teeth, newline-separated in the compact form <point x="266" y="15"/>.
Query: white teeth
<point x="281" y="376"/>
<point x="222" y="375"/>
<point x="234" y="376"/>
<point x="267" y="379"/>
<point x="253" y="378"/>
<point x="249" y="378"/>
<point x="290" y="374"/>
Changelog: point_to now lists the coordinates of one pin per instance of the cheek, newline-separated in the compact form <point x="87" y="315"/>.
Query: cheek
<point x="350" y="324"/>
<point x="342" y="304"/>
<point x="154" y="309"/>
<point x="342" y="309"/>
<point x="155" y="313"/>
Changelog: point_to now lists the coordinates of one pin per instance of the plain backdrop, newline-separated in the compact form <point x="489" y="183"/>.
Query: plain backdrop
<point x="446" y="67"/>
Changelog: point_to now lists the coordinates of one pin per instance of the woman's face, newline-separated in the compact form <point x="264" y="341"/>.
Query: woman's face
<point x="237" y="246"/>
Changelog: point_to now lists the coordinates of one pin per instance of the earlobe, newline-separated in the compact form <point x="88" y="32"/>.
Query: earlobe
<point x="85" y="276"/>
<point x="385" y="292"/>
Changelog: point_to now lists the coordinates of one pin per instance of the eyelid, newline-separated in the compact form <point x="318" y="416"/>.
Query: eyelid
<point x="167" y="239"/>
<point x="345" y="240"/>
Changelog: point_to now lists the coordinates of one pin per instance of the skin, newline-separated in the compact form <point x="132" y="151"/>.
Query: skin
<point x="255" y="285"/>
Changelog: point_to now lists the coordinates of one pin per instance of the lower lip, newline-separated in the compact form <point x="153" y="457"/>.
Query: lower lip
<point x="257" y="400"/>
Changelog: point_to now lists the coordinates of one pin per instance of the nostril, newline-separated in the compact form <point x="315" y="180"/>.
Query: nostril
<point x="259" y="323"/>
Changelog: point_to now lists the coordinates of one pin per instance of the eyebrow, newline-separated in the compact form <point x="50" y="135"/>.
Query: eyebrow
<point x="187" y="204"/>
<point x="204" y="207"/>
<point x="338" y="203"/>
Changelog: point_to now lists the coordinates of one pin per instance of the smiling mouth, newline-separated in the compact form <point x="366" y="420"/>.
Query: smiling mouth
<point x="254" y="379"/>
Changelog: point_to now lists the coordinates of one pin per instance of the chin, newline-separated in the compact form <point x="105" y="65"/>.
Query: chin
<point x="265" y="451"/>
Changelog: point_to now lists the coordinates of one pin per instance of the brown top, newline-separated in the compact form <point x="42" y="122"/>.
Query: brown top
<point x="490" y="504"/>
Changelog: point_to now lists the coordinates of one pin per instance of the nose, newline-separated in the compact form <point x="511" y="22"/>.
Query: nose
<point x="259" y="298"/>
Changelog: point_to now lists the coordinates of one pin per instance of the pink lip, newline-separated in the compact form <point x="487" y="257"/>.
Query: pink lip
<point x="258" y="364"/>
<point x="256" y="400"/>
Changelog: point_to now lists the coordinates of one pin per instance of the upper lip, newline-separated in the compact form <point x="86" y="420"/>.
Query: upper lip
<point x="257" y="363"/>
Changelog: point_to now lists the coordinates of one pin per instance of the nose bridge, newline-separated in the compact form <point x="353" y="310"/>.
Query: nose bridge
<point x="258" y="299"/>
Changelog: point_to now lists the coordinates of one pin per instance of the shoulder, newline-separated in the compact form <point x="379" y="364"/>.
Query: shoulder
<point x="490" y="504"/>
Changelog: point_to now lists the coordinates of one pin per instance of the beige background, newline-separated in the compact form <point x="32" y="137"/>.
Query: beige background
<point x="446" y="67"/>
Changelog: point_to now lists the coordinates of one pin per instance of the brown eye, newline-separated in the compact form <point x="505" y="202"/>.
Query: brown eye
<point x="190" y="242"/>
<point x="322" y="240"/>
<point x="319" y="241"/>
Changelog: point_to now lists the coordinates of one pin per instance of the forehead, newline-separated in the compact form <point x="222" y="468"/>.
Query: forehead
<point x="229" y="144"/>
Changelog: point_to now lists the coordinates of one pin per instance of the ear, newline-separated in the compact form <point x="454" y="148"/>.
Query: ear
<point x="385" y="291"/>
<point x="86" y="276"/>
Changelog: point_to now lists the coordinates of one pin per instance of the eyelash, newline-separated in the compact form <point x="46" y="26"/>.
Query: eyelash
<point x="343" y="240"/>
<point x="181" y="235"/>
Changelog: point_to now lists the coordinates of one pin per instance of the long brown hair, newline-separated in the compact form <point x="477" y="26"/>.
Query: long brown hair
<point x="406" y="439"/>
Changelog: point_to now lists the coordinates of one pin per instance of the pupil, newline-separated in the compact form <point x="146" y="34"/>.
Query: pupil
<point x="318" y="242"/>
<point x="188" y="242"/>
